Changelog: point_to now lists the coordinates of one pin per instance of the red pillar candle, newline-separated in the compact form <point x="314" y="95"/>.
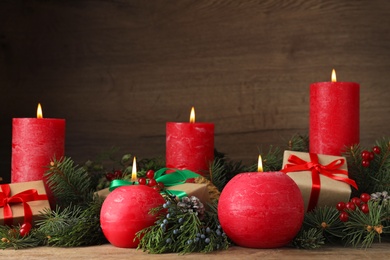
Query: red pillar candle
<point x="334" y="116"/>
<point x="261" y="209"/>
<point x="190" y="145"/>
<point x="35" y="141"/>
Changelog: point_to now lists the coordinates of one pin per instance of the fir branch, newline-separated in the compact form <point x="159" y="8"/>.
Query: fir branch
<point x="298" y="143"/>
<point x="69" y="182"/>
<point x="309" y="239"/>
<point x="327" y="220"/>
<point x="73" y="225"/>
<point x="182" y="229"/>
<point x="364" y="229"/>
<point x="10" y="238"/>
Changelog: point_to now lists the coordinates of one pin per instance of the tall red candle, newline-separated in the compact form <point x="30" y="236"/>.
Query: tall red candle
<point x="334" y="116"/>
<point x="35" y="141"/>
<point x="190" y="145"/>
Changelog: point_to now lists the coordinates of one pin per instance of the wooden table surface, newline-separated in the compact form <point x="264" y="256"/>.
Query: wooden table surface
<point x="378" y="251"/>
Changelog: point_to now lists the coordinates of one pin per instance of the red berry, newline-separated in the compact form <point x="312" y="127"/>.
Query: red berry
<point x="371" y="156"/>
<point x="365" y="163"/>
<point x="350" y="205"/>
<point x="152" y="182"/>
<point x="356" y="201"/>
<point x="376" y="149"/>
<point x="118" y="174"/>
<point x="150" y="174"/>
<point x="340" y="206"/>
<point x="344" y="216"/>
<point x="365" y="197"/>
<point x="156" y="188"/>
<point x="160" y="185"/>
<point x="365" y="155"/>
<point x="110" y="176"/>
<point x="364" y="208"/>
<point x="25" y="229"/>
<point x="142" y="181"/>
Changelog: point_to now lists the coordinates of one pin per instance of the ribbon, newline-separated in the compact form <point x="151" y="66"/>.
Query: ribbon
<point x="296" y="164"/>
<point x="171" y="179"/>
<point x="22" y="197"/>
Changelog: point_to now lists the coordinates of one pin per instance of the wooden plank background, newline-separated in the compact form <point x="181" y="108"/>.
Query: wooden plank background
<point x="118" y="70"/>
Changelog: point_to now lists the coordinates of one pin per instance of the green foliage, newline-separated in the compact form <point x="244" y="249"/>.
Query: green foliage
<point x="11" y="238"/>
<point x="69" y="182"/>
<point x="311" y="238"/>
<point x="73" y="226"/>
<point x="319" y="226"/>
<point x="374" y="178"/>
<point x="183" y="227"/>
<point x="364" y="229"/>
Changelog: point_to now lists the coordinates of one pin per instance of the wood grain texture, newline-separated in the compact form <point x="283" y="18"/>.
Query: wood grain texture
<point x="118" y="70"/>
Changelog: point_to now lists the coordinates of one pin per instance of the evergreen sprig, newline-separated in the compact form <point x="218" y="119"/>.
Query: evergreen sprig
<point x="322" y="225"/>
<point x="364" y="229"/>
<point x="73" y="225"/>
<point x="70" y="183"/>
<point x="183" y="228"/>
<point x="10" y="238"/>
<point x="310" y="238"/>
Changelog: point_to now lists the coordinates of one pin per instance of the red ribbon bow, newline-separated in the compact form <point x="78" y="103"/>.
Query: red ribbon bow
<point x="21" y="197"/>
<point x="329" y="170"/>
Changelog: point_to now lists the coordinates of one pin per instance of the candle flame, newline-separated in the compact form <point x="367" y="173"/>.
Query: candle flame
<point x="192" y="115"/>
<point x="134" y="170"/>
<point x="39" y="111"/>
<point x="334" y="79"/>
<point x="260" y="165"/>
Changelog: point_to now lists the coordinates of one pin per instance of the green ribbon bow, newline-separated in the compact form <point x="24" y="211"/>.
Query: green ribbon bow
<point x="171" y="179"/>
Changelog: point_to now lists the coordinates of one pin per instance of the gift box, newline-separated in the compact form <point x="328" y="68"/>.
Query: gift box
<point x="22" y="202"/>
<point x="187" y="189"/>
<point x="193" y="189"/>
<point x="322" y="179"/>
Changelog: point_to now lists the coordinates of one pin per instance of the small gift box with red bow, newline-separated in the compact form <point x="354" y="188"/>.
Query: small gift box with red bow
<point x="322" y="179"/>
<point x="22" y="202"/>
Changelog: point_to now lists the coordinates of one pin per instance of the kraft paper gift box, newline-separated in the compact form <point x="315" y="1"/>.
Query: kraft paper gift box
<point x="37" y="202"/>
<point x="331" y="191"/>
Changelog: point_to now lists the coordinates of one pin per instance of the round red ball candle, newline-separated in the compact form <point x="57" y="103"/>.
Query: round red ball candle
<point x="261" y="209"/>
<point x="190" y="146"/>
<point x="125" y="211"/>
<point x="334" y="116"/>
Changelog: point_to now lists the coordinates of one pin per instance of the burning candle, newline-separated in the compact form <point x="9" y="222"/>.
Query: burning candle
<point x="190" y="145"/>
<point x="35" y="142"/>
<point x="126" y="210"/>
<point x="134" y="171"/>
<point x="261" y="209"/>
<point x="334" y="116"/>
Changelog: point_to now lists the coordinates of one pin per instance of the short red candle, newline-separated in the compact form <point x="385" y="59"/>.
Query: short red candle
<point x="35" y="142"/>
<point x="125" y="211"/>
<point x="261" y="209"/>
<point x="334" y="116"/>
<point x="190" y="146"/>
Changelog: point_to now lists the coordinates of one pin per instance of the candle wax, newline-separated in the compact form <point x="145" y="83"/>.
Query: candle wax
<point x="190" y="146"/>
<point x="35" y="142"/>
<point x="261" y="209"/>
<point x="334" y="116"/>
<point x="125" y="211"/>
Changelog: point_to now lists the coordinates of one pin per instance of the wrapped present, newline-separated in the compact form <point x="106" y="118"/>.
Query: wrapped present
<point x="192" y="189"/>
<point x="322" y="179"/>
<point x="174" y="181"/>
<point x="22" y="202"/>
